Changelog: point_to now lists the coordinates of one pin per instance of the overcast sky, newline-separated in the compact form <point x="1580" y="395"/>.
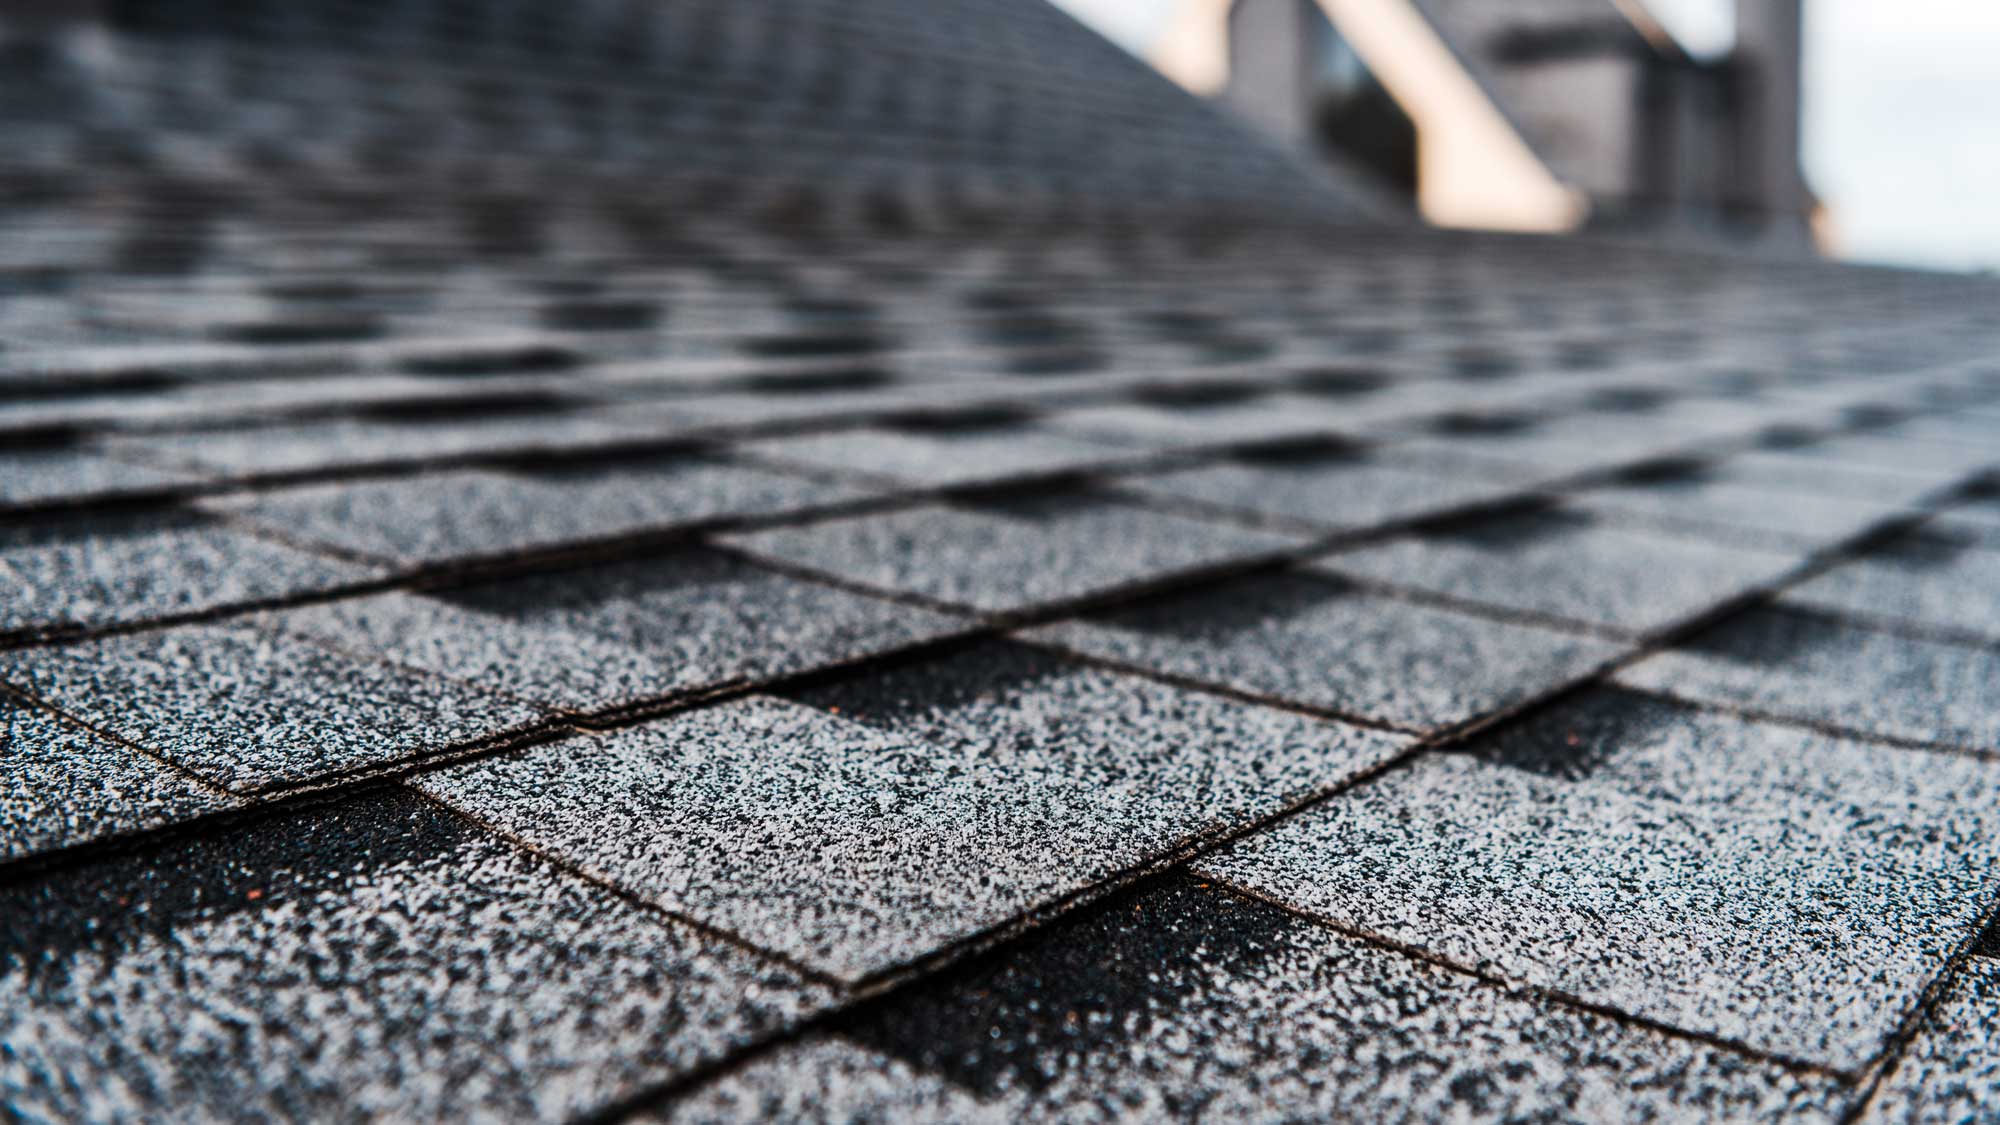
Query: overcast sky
<point x="1902" y="114"/>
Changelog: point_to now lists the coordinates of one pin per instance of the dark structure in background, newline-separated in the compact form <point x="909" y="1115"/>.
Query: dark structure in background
<point x="1353" y="114"/>
<point x="1652" y="137"/>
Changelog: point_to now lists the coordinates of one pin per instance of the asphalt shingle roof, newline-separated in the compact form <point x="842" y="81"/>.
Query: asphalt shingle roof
<point x="879" y="562"/>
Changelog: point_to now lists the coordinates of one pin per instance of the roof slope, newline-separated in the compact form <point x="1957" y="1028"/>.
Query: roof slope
<point x="708" y="663"/>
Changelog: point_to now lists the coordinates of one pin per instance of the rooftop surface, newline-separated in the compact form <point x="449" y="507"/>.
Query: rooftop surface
<point x="800" y="669"/>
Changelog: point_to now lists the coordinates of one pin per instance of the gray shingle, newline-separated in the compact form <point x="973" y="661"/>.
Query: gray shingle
<point x="877" y="820"/>
<point x="1805" y="668"/>
<point x="355" y="443"/>
<point x="474" y="513"/>
<point x="1702" y="505"/>
<point x="944" y="457"/>
<point x="1981" y="512"/>
<point x="42" y="476"/>
<point x="776" y="407"/>
<point x="374" y="960"/>
<point x="621" y="634"/>
<point x="1015" y="554"/>
<point x="1910" y="455"/>
<point x="1570" y="566"/>
<point x="1771" y="886"/>
<point x="1975" y="428"/>
<point x="1333" y="492"/>
<point x="1511" y="443"/>
<point x="1784" y="471"/>
<point x="1946" y="577"/>
<point x="1313" y="640"/>
<point x="1194" y="1003"/>
<point x="1951" y="1070"/>
<point x="66" y="786"/>
<point x="1255" y="417"/>
<point x="251" y="709"/>
<point x="119" y="568"/>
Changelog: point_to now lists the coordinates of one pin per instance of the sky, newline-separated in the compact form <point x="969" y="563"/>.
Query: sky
<point x="1902" y="115"/>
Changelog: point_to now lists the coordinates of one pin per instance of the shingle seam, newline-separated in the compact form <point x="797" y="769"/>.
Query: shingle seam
<point x="1207" y="687"/>
<point x="1797" y="604"/>
<point x="551" y="859"/>
<point x="1133" y="461"/>
<point x="1699" y="528"/>
<point x="28" y="698"/>
<point x="1817" y="726"/>
<point x="1324" y="565"/>
<point x="421" y="578"/>
<point x="1247" y="563"/>
<point x="69" y="632"/>
<point x="518" y="736"/>
<point x="1762" y="593"/>
<point x="882" y="986"/>
<point x="1334" y="536"/>
<point x="104" y="501"/>
<point x="652" y="708"/>
<point x="328" y="787"/>
<point x="256" y="528"/>
<point x="635" y="543"/>
<point x="365" y="656"/>
<point x="54" y="861"/>
<point x="1920" y="1014"/>
<point x="1522" y="988"/>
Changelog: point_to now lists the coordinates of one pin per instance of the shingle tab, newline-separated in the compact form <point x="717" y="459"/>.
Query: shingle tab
<point x="1313" y="640"/>
<point x="119" y="568"/>
<point x="1782" y="470"/>
<point x="1981" y="511"/>
<point x="357" y="443"/>
<point x="46" y="476"/>
<point x="474" y="513"/>
<point x="66" y="786"/>
<point x="1188" y="1001"/>
<point x="1230" y="417"/>
<point x="1334" y="491"/>
<point x="875" y="821"/>
<point x="622" y="634"/>
<point x="251" y="709"/>
<point x="940" y="457"/>
<point x="1946" y="578"/>
<point x="1774" y="887"/>
<point x="1015" y="554"/>
<point x="1729" y="513"/>
<point x="1952" y="1068"/>
<point x="1806" y="668"/>
<point x="1571" y="566"/>
<point x="1508" y="442"/>
<point x="374" y="959"/>
<point x="1910" y="454"/>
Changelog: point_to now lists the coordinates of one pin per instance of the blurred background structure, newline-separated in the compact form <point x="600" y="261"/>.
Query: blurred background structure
<point x="1689" y="118"/>
<point x="1532" y="116"/>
